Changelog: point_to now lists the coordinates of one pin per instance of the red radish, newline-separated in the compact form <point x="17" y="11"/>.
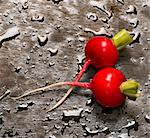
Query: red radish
<point x="109" y="87"/>
<point x="98" y="49"/>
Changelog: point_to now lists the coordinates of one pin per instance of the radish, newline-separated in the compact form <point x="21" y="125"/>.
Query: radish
<point x="109" y="87"/>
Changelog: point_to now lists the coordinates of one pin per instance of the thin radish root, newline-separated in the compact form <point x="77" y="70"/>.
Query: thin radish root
<point x="39" y="89"/>
<point x="86" y="65"/>
<point x="80" y="84"/>
<point x="61" y="100"/>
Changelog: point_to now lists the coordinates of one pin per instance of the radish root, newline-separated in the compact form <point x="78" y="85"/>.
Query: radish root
<point x="86" y="65"/>
<point x="61" y="100"/>
<point x="78" y="84"/>
<point x="39" y="89"/>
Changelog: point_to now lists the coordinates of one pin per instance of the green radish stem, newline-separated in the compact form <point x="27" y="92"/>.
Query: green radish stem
<point x="122" y="39"/>
<point x="130" y="88"/>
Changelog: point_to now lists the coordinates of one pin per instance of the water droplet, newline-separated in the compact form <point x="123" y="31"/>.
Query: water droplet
<point x="147" y="118"/>
<point x="146" y="84"/>
<point x="40" y="54"/>
<point x="90" y="101"/>
<point x="65" y="57"/>
<point x="81" y="39"/>
<point x="28" y="58"/>
<point x="31" y="51"/>
<point x="33" y="66"/>
<point x="11" y="17"/>
<point x="53" y="51"/>
<point x="11" y="21"/>
<point x="148" y="39"/>
<point x="25" y="5"/>
<point x="134" y="22"/>
<point x="136" y="36"/>
<point x="56" y="1"/>
<point x="47" y="31"/>
<point x="105" y="20"/>
<point x="80" y="59"/>
<point x="56" y="126"/>
<point x="89" y="131"/>
<point x="92" y="16"/>
<point x="42" y="39"/>
<point x="51" y="64"/>
<point x="101" y="32"/>
<point x="145" y="49"/>
<point x="69" y="39"/>
<point x="37" y="17"/>
<point x="131" y="9"/>
<point x="132" y="125"/>
<point x="22" y="107"/>
<point x="145" y="28"/>
<point x="17" y="69"/>
<point x="72" y="114"/>
<point x="33" y="33"/>
<point x="142" y="59"/>
<point x="9" y="34"/>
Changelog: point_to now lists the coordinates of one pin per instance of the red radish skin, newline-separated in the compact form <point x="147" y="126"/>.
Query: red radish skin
<point x="102" y="52"/>
<point x="109" y="87"/>
<point x="106" y="87"/>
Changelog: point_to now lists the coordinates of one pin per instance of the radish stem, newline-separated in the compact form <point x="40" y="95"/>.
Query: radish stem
<point x="122" y="39"/>
<point x="86" y="65"/>
<point x="130" y="88"/>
